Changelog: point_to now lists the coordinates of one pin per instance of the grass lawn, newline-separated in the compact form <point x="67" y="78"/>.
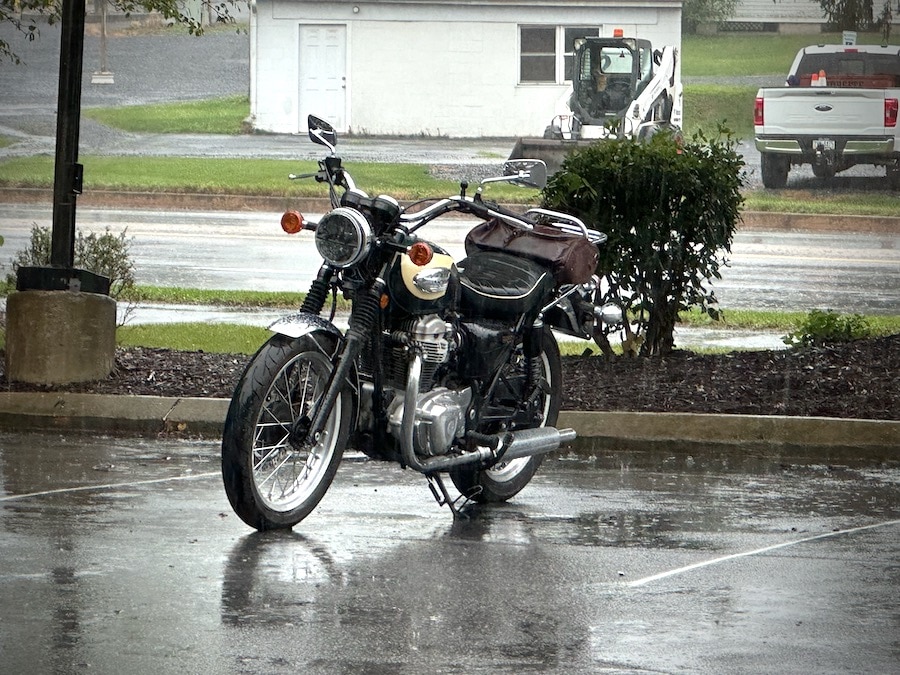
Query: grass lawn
<point x="737" y="54"/>
<point x="214" y="116"/>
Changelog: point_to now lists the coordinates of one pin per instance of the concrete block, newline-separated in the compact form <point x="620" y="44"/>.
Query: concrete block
<point x="59" y="337"/>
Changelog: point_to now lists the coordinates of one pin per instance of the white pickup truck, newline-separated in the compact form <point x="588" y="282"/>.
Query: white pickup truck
<point x="838" y="108"/>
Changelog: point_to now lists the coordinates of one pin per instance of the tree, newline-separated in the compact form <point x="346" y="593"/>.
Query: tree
<point x="24" y="15"/>
<point x="668" y="210"/>
<point x="695" y="12"/>
<point x="858" y="15"/>
<point x="848" y="14"/>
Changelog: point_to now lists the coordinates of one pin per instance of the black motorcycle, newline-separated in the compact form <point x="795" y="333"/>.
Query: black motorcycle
<point x="445" y="367"/>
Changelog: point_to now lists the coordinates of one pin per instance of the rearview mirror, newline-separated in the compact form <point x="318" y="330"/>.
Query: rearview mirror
<point x="321" y="132"/>
<point x="526" y="172"/>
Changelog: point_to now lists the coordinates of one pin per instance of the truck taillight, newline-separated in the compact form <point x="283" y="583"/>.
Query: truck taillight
<point x="890" y="112"/>
<point x="758" y="117"/>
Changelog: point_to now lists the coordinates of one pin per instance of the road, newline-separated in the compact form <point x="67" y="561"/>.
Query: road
<point x="844" y="272"/>
<point x="123" y="556"/>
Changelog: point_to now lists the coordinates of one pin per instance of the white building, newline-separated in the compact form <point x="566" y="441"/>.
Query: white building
<point x="481" y="68"/>
<point x="784" y="16"/>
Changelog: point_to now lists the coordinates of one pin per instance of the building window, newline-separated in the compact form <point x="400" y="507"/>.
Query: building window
<point x="546" y="52"/>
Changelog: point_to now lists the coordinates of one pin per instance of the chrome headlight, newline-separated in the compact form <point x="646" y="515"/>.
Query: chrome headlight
<point x="343" y="237"/>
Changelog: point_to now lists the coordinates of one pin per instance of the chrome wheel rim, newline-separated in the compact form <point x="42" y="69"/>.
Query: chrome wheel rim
<point x="285" y="474"/>
<point x="505" y="471"/>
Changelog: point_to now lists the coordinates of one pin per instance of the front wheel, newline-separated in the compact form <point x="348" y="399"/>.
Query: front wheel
<point x="274" y="480"/>
<point x="528" y="410"/>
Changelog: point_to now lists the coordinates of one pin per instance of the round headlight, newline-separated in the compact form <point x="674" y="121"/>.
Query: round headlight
<point x="343" y="237"/>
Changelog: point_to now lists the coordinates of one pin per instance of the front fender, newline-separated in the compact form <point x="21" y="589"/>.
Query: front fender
<point x="303" y="323"/>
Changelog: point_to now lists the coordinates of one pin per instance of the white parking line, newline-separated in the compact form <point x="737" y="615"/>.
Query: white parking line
<point x="108" y="486"/>
<point x="758" y="551"/>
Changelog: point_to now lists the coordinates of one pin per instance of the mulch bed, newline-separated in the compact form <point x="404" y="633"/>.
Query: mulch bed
<point x="852" y="380"/>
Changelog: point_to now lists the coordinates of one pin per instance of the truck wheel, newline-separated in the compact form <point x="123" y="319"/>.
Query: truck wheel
<point x="893" y="176"/>
<point x="774" y="169"/>
<point x="825" y="171"/>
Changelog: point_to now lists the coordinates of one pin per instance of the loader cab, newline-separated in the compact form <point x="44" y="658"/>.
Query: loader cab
<point x="609" y="74"/>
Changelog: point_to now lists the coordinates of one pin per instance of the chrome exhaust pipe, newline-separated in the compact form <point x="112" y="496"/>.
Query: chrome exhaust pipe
<point x="525" y="443"/>
<point x="529" y="442"/>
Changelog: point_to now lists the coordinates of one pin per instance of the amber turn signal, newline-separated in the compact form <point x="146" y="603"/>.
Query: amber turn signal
<point x="292" y="222"/>
<point x="420" y="253"/>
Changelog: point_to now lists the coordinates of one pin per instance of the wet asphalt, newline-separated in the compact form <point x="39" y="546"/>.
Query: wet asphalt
<point x="123" y="556"/>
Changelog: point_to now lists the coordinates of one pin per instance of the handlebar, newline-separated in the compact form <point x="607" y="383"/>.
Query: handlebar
<point x="331" y="171"/>
<point x="561" y="221"/>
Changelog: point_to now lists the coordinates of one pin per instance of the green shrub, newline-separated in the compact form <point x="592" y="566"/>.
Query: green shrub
<point x="821" y="328"/>
<point x="106" y="254"/>
<point x="668" y="209"/>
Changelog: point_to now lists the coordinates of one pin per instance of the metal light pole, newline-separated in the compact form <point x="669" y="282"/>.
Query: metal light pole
<point x="69" y="174"/>
<point x="61" y="322"/>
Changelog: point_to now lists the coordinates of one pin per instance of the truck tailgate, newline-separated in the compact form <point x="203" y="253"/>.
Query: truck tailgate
<point x="823" y="112"/>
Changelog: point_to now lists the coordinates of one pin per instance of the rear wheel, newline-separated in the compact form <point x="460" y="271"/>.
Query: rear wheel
<point x="274" y="480"/>
<point x="774" y="169"/>
<point x="506" y="479"/>
<point x="893" y="176"/>
<point x="824" y="171"/>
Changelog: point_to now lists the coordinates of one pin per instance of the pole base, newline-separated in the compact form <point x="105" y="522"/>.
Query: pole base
<point x="60" y="279"/>
<point x="55" y="337"/>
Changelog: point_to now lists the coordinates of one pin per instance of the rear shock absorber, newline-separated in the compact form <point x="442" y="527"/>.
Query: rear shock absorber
<point x="532" y="350"/>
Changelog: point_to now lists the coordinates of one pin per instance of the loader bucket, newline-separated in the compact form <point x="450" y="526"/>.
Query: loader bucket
<point x="552" y="151"/>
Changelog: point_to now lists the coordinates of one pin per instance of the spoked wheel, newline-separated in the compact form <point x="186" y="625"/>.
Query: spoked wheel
<point x="506" y="479"/>
<point x="274" y="480"/>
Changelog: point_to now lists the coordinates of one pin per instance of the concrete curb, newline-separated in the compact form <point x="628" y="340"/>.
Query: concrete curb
<point x="822" y="438"/>
<point x="176" y="201"/>
<point x="142" y="415"/>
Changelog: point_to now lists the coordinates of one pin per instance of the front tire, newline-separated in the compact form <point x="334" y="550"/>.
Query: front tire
<point x="506" y="479"/>
<point x="272" y="480"/>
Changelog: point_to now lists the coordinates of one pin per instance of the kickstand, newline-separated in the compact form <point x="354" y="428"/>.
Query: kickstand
<point x="439" y="490"/>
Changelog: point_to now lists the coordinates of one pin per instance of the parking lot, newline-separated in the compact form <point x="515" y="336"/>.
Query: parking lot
<point x="123" y="555"/>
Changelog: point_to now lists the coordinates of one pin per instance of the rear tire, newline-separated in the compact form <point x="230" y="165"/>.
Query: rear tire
<point x="774" y="169"/>
<point x="893" y="176"/>
<point x="506" y="479"/>
<point x="823" y="171"/>
<point x="272" y="481"/>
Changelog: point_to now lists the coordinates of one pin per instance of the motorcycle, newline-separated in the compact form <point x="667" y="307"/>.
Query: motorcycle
<point x="447" y="368"/>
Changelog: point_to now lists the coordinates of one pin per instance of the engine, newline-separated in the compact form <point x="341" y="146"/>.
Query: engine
<point x="440" y="411"/>
<point x="431" y="336"/>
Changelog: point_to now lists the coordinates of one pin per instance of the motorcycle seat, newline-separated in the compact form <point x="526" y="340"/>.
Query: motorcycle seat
<point x="494" y="283"/>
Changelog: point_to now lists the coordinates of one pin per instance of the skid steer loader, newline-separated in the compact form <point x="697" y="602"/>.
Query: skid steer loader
<point x="621" y="88"/>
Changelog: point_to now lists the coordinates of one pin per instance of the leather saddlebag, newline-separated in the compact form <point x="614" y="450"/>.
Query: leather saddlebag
<point x="572" y="259"/>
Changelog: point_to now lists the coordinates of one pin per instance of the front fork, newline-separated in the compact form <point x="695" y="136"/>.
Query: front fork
<point x="362" y="320"/>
